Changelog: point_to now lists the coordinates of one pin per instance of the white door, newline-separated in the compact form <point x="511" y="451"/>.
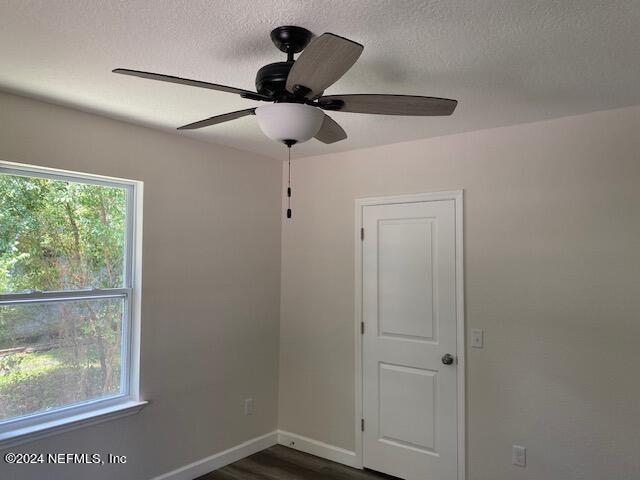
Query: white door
<point x="409" y="311"/>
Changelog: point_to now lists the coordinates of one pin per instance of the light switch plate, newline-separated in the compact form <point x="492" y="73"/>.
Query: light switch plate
<point x="248" y="406"/>
<point x="477" y="338"/>
<point x="518" y="456"/>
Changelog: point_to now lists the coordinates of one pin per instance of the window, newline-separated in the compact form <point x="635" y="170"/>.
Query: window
<point x="69" y="298"/>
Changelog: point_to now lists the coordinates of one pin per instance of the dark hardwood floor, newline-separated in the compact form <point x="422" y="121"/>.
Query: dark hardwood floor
<point x="282" y="463"/>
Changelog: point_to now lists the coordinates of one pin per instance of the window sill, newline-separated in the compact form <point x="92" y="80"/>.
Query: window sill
<point x="53" y="427"/>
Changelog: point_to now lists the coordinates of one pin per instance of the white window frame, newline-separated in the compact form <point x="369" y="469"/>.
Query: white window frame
<point x="31" y="427"/>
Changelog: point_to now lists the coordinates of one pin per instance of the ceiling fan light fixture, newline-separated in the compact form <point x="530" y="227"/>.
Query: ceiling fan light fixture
<point x="289" y="121"/>
<point x="323" y="60"/>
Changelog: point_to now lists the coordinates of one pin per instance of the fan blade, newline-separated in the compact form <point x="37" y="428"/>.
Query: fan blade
<point x="410" y="105"/>
<point x="330" y="131"/>
<point x="191" y="83"/>
<point x="323" y="62"/>
<point x="225" y="117"/>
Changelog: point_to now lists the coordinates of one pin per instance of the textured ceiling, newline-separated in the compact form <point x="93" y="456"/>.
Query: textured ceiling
<point x="507" y="62"/>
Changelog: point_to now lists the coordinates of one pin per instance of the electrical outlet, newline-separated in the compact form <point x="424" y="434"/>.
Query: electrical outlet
<point x="518" y="455"/>
<point x="477" y="338"/>
<point x="248" y="406"/>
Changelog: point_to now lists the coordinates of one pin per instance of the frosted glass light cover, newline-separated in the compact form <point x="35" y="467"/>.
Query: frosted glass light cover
<point x="289" y="121"/>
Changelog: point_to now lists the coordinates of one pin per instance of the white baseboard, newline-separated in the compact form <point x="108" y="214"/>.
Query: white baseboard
<point x="317" y="448"/>
<point x="219" y="460"/>
<point x="233" y="454"/>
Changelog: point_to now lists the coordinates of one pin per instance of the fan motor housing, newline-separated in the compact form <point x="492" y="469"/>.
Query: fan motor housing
<point x="271" y="79"/>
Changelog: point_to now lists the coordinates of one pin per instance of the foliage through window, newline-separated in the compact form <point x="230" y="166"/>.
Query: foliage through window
<point x="65" y="291"/>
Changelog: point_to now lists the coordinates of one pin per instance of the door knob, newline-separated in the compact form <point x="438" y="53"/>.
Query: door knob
<point x="447" y="359"/>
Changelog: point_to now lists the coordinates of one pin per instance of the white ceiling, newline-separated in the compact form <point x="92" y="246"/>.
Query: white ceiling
<point x="507" y="62"/>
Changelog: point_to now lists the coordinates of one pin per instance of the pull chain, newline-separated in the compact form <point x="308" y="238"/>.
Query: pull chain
<point x="289" y="185"/>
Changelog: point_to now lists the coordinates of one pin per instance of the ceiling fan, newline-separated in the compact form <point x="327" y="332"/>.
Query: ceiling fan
<point x="295" y="89"/>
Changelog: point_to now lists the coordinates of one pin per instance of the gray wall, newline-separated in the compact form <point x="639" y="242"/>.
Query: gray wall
<point x="552" y="259"/>
<point x="211" y="281"/>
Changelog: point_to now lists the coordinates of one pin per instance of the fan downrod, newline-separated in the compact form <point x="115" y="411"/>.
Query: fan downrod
<point x="272" y="78"/>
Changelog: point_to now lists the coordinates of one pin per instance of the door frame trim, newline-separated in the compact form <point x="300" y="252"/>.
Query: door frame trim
<point x="458" y="198"/>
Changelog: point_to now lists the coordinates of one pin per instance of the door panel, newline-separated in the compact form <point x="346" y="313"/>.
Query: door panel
<point x="406" y="258"/>
<point x="409" y="311"/>
<point x="407" y="406"/>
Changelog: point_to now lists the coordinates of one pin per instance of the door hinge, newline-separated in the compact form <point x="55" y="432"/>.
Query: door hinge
<point x="361" y="328"/>
<point x="362" y="424"/>
<point x="362" y="233"/>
